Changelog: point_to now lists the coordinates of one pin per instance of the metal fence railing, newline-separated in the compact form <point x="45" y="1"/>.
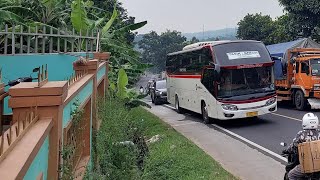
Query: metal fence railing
<point x="43" y="39"/>
<point x="11" y="136"/>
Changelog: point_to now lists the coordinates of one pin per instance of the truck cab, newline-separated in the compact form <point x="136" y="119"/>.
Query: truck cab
<point x="300" y="81"/>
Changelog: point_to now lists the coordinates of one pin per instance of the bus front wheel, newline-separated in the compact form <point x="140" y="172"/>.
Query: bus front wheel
<point x="205" y="115"/>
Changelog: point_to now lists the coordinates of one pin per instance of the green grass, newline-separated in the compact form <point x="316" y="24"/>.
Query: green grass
<point x="172" y="157"/>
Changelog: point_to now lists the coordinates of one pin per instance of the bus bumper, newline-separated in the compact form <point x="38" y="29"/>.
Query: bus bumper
<point x="239" y="114"/>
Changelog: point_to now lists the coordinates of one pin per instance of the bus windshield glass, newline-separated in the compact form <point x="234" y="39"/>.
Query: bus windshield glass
<point x="238" y="82"/>
<point x="315" y="67"/>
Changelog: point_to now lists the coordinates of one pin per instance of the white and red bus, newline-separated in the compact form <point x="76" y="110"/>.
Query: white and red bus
<point x="222" y="79"/>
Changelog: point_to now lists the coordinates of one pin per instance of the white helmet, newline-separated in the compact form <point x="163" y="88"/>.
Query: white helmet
<point x="310" y="121"/>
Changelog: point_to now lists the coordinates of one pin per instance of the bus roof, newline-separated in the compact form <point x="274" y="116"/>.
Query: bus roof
<point x="200" y="45"/>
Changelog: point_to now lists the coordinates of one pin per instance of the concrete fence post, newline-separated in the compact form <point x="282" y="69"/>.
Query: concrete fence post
<point x="48" y="101"/>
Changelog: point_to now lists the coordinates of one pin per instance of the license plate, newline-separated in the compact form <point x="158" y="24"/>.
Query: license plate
<point x="252" y="114"/>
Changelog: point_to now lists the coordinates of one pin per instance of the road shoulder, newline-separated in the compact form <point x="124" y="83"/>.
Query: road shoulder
<point x="236" y="157"/>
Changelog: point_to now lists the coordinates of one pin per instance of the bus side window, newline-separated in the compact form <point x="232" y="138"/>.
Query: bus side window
<point x="172" y="64"/>
<point x="208" y="80"/>
<point x="205" y="57"/>
<point x="176" y="63"/>
<point x="195" y="67"/>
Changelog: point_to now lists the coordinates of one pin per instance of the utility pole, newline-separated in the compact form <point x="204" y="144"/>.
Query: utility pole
<point x="203" y="32"/>
<point x="226" y="31"/>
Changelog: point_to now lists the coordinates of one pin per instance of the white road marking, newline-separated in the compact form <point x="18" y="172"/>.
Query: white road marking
<point x="286" y="116"/>
<point x="246" y="140"/>
<point x="251" y="143"/>
<point x="184" y="124"/>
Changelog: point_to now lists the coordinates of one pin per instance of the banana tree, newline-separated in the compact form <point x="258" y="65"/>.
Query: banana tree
<point x="55" y="12"/>
<point x="129" y="96"/>
<point x="109" y="39"/>
<point x="7" y="14"/>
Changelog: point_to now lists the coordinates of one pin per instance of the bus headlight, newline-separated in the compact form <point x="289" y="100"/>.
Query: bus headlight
<point x="229" y="107"/>
<point x="271" y="101"/>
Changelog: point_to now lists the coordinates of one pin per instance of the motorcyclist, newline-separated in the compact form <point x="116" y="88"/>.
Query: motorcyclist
<point x="141" y="90"/>
<point x="310" y="132"/>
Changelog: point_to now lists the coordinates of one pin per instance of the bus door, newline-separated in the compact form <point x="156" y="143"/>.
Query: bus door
<point x="207" y="92"/>
<point x="170" y="90"/>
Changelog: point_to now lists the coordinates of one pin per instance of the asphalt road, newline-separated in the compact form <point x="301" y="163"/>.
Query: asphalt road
<point x="268" y="130"/>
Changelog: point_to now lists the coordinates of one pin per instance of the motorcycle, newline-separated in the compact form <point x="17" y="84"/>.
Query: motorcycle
<point x="23" y="79"/>
<point x="293" y="161"/>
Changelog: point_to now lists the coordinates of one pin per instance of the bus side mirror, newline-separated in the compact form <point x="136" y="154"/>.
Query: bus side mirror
<point x="274" y="58"/>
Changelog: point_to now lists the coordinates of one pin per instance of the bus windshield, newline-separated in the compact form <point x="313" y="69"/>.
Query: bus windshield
<point x="237" y="82"/>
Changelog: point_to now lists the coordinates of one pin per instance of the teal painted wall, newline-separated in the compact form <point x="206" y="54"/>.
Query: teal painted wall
<point x="59" y="67"/>
<point x="82" y="96"/>
<point x="101" y="73"/>
<point x="40" y="163"/>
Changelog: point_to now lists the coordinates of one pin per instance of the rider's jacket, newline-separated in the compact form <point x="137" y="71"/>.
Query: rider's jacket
<point x="303" y="136"/>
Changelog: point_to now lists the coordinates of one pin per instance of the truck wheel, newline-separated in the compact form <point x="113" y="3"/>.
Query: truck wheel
<point x="177" y="106"/>
<point x="205" y="116"/>
<point x="300" y="101"/>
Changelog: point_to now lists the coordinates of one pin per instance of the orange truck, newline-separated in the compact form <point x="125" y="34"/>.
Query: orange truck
<point x="297" y="77"/>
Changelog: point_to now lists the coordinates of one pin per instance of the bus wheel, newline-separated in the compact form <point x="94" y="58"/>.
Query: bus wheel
<point x="177" y="106"/>
<point x="205" y="116"/>
<point x="300" y="101"/>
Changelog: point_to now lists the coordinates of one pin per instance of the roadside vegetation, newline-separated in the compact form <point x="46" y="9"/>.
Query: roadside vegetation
<point x="132" y="143"/>
<point x="135" y="144"/>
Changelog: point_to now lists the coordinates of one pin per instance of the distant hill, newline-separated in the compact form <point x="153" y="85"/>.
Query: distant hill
<point x="222" y="34"/>
<point x="227" y="33"/>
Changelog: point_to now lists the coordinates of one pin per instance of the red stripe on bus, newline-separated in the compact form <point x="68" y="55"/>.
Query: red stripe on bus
<point x="186" y="76"/>
<point x="248" y="101"/>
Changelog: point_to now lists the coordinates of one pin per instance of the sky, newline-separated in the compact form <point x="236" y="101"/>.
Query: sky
<point x="192" y="15"/>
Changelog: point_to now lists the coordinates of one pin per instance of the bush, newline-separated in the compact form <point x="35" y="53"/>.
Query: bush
<point x="120" y="147"/>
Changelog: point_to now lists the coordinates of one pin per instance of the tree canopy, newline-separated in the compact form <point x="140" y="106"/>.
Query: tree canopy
<point x="301" y="19"/>
<point x="156" y="47"/>
<point x="256" y="27"/>
<point x="306" y="13"/>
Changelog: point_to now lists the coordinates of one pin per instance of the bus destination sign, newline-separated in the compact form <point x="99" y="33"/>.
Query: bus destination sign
<point x="243" y="55"/>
